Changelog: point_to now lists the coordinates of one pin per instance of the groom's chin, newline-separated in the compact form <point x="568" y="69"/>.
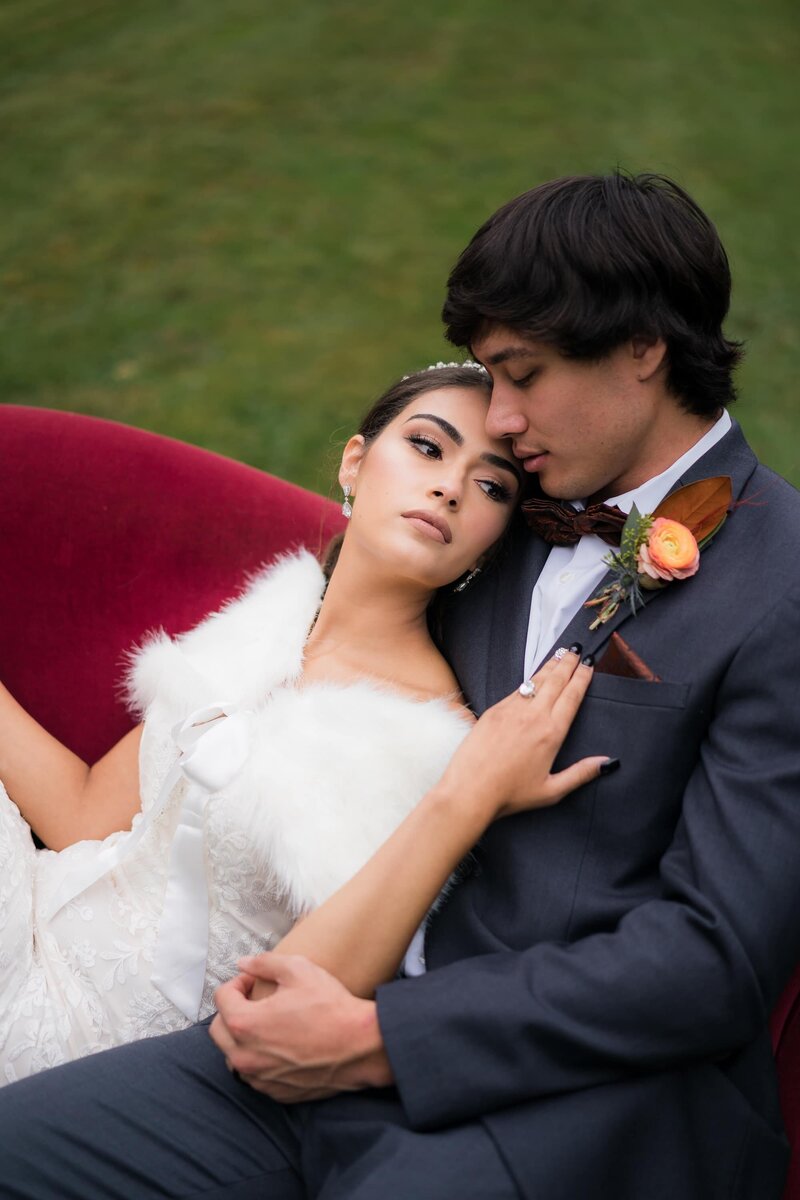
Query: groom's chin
<point x="554" y="488"/>
<point x="558" y="485"/>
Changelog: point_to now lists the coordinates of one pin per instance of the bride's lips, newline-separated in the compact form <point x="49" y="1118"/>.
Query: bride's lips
<point x="429" y="523"/>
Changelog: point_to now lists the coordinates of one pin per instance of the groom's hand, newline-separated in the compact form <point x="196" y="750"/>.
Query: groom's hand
<point x="308" y="1040"/>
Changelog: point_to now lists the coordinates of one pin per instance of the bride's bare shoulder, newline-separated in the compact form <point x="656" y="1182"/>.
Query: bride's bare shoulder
<point x="419" y="678"/>
<point x="443" y="685"/>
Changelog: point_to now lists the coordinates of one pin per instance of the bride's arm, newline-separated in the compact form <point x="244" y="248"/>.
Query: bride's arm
<point x="503" y="766"/>
<point x="60" y="796"/>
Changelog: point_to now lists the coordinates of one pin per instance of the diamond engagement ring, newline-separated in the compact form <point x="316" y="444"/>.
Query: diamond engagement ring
<point x="527" y="688"/>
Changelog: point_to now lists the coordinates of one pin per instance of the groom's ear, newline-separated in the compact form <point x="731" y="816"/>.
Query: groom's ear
<point x="649" y="354"/>
<point x="352" y="455"/>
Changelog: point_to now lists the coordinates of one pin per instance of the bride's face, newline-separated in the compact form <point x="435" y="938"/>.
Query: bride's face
<point x="433" y="492"/>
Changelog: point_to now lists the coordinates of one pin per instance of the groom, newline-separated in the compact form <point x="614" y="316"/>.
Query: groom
<point x="590" y="1020"/>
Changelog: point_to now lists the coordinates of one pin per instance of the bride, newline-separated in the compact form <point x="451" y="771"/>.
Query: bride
<point x="282" y="742"/>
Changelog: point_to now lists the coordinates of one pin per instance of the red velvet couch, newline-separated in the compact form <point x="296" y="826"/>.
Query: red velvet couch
<point x="106" y="532"/>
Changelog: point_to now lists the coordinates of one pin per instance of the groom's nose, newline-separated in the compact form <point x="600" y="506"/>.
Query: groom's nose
<point x="505" y="417"/>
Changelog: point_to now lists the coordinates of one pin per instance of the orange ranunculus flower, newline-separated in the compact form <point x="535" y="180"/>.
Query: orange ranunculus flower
<point x="670" y="552"/>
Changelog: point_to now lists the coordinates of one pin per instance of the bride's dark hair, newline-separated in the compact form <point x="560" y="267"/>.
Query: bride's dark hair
<point x="391" y="404"/>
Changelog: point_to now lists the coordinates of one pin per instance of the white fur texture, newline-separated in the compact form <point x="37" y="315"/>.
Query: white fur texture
<point x="253" y="643"/>
<point x="333" y="769"/>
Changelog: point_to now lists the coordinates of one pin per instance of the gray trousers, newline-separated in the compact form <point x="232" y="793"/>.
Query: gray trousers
<point x="164" y="1117"/>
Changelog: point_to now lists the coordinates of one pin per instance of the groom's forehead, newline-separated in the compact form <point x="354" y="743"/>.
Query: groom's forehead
<point x="501" y="344"/>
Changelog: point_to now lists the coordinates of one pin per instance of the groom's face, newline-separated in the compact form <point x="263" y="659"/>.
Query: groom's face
<point x="588" y="429"/>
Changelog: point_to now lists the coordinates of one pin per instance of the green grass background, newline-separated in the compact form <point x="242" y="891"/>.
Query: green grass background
<point x="231" y="221"/>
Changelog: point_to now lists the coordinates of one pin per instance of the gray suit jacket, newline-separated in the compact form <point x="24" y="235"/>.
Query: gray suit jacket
<point x="599" y="988"/>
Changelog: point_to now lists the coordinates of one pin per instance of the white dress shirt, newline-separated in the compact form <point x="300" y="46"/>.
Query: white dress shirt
<point x="569" y="577"/>
<point x="572" y="573"/>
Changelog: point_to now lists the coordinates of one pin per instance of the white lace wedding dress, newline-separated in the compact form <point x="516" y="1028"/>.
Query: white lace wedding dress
<point x="259" y="799"/>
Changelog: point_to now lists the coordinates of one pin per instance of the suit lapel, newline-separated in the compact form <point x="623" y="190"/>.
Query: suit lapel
<point x="509" y="629"/>
<point x="730" y="456"/>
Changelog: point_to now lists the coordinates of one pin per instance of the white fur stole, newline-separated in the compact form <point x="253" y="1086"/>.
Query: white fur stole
<point x="333" y="769"/>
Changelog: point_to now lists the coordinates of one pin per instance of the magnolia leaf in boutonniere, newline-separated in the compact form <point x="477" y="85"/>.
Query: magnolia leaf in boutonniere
<point x="659" y="547"/>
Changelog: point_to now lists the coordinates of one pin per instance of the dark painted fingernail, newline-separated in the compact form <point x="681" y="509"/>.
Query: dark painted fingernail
<point x="575" y="648"/>
<point x="609" y="766"/>
<point x="587" y="660"/>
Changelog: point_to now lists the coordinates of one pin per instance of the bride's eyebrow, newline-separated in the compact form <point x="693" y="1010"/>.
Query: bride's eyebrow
<point x="503" y="463"/>
<point x="445" y="426"/>
<point x="494" y="460"/>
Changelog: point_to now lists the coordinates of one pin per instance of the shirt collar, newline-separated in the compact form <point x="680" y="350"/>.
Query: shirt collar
<point x="648" y="495"/>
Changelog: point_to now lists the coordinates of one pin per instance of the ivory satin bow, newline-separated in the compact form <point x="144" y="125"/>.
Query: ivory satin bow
<point x="215" y="743"/>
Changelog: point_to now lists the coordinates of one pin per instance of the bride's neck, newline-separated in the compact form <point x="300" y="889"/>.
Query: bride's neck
<point x="370" y="617"/>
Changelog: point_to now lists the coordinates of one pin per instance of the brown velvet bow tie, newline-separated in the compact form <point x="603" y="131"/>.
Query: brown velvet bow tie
<point x="561" y="525"/>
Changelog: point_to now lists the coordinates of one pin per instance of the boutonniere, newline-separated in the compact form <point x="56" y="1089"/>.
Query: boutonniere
<point x="659" y="547"/>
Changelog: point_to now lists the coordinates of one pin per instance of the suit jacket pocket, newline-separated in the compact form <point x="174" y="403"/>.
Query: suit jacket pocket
<point x="641" y="692"/>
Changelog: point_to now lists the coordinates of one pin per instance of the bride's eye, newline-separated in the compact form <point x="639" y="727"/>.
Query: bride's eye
<point x="425" y="445"/>
<point x="494" y="490"/>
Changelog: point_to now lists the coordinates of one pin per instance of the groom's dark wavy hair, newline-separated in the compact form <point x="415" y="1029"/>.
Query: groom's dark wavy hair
<point x="587" y="262"/>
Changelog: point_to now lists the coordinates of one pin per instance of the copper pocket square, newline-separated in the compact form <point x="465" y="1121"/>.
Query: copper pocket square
<point x="620" y="659"/>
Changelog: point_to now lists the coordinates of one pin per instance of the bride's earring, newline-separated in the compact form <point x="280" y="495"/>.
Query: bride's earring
<point x="460" y="587"/>
<point x="347" y="508"/>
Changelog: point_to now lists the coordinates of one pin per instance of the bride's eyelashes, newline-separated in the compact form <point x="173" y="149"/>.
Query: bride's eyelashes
<point x="494" y="490"/>
<point x="425" y="444"/>
<point x="428" y="446"/>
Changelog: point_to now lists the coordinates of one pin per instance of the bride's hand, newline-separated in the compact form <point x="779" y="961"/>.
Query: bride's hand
<point x="504" y="764"/>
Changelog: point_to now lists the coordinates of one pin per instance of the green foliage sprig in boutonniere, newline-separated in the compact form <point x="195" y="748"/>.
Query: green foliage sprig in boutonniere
<point x="657" y="547"/>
